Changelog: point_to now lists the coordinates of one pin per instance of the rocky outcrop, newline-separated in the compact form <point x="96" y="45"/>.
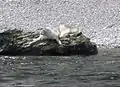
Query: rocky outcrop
<point x="16" y="42"/>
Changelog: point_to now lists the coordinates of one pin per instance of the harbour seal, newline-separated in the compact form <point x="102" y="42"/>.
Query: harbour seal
<point x="61" y="32"/>
<point x="47" y="33"/>
<point x="51" y="34"/>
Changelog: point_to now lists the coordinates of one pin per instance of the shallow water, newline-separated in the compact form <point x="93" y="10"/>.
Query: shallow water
<point x="102" y="70"/>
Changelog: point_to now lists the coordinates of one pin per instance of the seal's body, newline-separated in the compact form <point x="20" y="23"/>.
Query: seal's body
<point x="61" y="32"/>
<point x="50" y="34"/>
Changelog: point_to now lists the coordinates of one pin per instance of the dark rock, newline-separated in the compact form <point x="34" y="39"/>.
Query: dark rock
<point x="15" y="42"/>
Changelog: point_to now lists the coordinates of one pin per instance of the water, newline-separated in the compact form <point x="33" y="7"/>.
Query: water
<point x="102" y="70"/>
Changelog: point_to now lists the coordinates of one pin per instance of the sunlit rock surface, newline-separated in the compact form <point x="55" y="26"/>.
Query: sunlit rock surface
<point x="16" y="42"/>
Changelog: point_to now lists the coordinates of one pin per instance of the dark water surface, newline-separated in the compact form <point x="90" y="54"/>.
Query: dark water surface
<point x="102" y="70"/>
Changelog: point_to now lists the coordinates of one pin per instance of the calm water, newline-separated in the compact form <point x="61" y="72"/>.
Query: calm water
<point x="102" y="70"/>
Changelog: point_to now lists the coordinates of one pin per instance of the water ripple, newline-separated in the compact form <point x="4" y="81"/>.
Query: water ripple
<point x="64" y="71"/>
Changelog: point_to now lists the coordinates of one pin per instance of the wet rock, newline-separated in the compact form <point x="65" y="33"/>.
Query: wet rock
<point x="16" y="42"/>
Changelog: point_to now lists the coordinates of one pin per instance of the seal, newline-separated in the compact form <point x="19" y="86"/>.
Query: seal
<point x="61" y="32"/>
<point x="47" y="33"/>
<point x="51" y="34"/>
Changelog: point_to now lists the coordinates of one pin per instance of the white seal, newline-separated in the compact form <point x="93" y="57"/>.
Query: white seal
<point x="61" y="32"/>
<point x="51" y="34"/>
<point x="47" y="33"/>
